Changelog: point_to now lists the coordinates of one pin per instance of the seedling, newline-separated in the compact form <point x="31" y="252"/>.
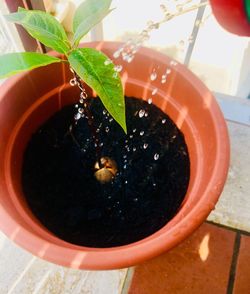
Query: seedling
<point x="87" y="64"/>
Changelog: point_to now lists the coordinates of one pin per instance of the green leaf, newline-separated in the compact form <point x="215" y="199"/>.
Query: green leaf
<point x="13" y="63"/>
<point x="43" y="27"/>
<point x="96" y="70"/>
<point x="86" y="25"/>
<point x="87" y="15"/>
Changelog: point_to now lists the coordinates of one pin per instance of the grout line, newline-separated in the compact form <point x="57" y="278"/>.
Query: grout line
<point x="230" y="286"/>
<point x="127" y="281"/>
<point x="242" y="232"/>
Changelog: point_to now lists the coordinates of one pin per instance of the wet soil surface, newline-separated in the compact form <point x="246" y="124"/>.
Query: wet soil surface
<point x="153" y="175"/>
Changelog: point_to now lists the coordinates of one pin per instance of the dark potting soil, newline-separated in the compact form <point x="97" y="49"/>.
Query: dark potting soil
<point x="153" y="175"/>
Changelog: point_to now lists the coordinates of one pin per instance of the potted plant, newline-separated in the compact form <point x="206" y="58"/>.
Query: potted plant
<point x="123" y="196"/>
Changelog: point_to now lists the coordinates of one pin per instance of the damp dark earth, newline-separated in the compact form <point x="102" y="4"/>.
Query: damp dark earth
<point x="153" y="175"/>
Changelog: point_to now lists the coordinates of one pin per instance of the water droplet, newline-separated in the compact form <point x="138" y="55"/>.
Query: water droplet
<point x="124" y="156"/>
<point x="81" y="100"/>
<point x="72" y="82"/>
<point x="107" y="61"/>
<point x="109" y="197"/>
<point x="154" y="91"/>
<point x="163" y="79"/>
<point x="154" y="184"/>
<point x="126" y="182"/>
<point x="168" y="71"/>
<point x="134" y="149"/>
<point x="163" y="121"/>
<point x="76" y="106"/>
<point x="131" y="136"/>
<point x="131" y="57"/>
<point x="101" y="144"/>
<point x="118" y="68"/>
<point x="141" y="113"/>
<point x="145" y="146"/>
<point x="156" y="156"/>
<point x="107" y="129"/>
<point x="135" y="199"/>
<point x="134" y="130"/>
<point x="118" y="53"/>
<point x="173" y="63"/>
<point x="80" y="110"/>
<point x="83" y="95"/>
<point x="150" y="100"/>
<point x="95" y="145"/>
<point x="104" y="112"/>
<point x="98" y="130"/>
<point x="125" y="166"/>
<point x="111" y="119"/>
<point x="146" y="114"/>
<point x="153" y="76"/>
<point x="77" y="116"/>
<point x="141" y="133"/>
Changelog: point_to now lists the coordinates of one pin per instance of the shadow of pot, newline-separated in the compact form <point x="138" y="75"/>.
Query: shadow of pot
<point x="29" y="99"/>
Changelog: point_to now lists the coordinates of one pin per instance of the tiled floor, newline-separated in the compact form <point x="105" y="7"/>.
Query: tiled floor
<point x="213" y="260"/>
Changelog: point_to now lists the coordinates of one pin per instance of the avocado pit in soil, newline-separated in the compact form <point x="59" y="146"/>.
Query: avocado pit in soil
<point x="153" y="174"/>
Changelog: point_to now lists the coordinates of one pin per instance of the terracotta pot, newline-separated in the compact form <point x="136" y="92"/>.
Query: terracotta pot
<point x="233" y="15"/>
<point x="29" y="99"/>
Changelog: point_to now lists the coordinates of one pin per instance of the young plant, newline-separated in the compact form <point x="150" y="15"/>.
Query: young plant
<point x="88" y="64"/>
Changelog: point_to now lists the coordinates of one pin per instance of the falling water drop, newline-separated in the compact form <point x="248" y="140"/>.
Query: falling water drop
<point x="107" y="61"/>
<point x="141" y="113"/>
<point x="173" y="63"/>
<point x="118" y="68"/>
<point x="76" y="106"/>
<point x="104" y="112"/>
<point x="107" y="129"/>
<point x="156" y="156"/>
<point x="150" y="100"/>
<point x="168" y="71"/>
<point x="131" y="136"/>
<point x="163" y="79"/>
<point x="134" y="149"/>
<point x="80" y="110"/>
<point x="145" y="146"/>
<point x="163" y="121"/>
<point x="117" y="53"/>
<point x="153" y="76"/>
<point x="141" y="133"/>
<point x="77" y="116"/>
<point x="72" y="82"/>
<point x="134" y="130"/>
<point x="154" y="91"/>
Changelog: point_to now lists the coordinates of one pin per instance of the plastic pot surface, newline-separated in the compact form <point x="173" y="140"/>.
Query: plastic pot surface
<point x="29" y="99"/>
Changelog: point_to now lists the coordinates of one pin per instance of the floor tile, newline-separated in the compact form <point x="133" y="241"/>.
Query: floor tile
<point x="242" y="277"/>
<point x="233" y="206"/>
<point x="199" y="265"/>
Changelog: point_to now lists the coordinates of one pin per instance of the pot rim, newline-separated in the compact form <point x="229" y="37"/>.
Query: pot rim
<point x="124" y="256"/>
